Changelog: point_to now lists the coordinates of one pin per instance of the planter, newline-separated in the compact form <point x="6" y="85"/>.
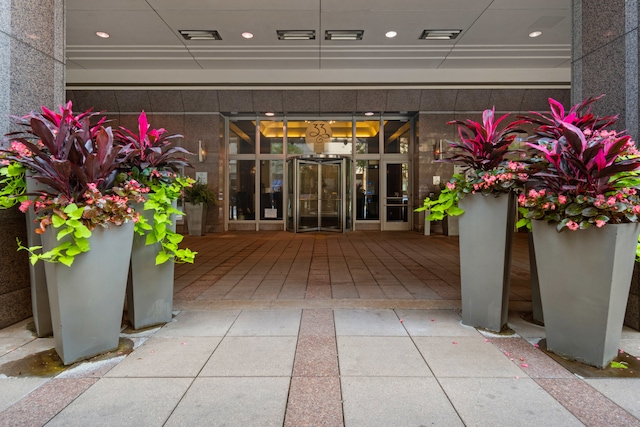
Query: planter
<point x="536" y="303"/>
<point x="451" y="226"/>
<point x="584" y="296"/>
<point x="87" y="298"/>
<point x="150" y="286"/>
<point x="39" y="293"/>
<point x="196" y="218"/>
<point x="486" y="236"/>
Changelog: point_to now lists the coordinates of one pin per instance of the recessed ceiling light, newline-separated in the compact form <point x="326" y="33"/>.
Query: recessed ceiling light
<point x="535" y="34"/>
<point x="247" y="35"/>
<point x="343" y="34"/>
<point x="391" y="34"/>
<point x="102" y="34"/>
<point x="200" y="34"/>
<point x="439" y="34"/>
<point x="369" y="113"/>
<point x="270" y="114"/>
<point x="296" y="34"/>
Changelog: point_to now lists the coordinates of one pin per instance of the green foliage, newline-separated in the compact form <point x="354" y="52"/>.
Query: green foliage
<point x="619" y="365"/>
<point x="69" y="223"/>
<point x="199" y="193"/>
<point x="12" y="185"/>
<point x="445" y="204"/>
<point x="160" y="201"/>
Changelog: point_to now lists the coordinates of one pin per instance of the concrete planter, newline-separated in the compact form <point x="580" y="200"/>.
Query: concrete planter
<point x="150" y="286"/>
<point x="196" y="218"/>
<point x="87" y="298"/>
<point x="486" y="236"/>
<point x="536" y="302"/>
<point x="585" y="277"/>
<point x="39" y="293"/>
<point x="451" y="226"/>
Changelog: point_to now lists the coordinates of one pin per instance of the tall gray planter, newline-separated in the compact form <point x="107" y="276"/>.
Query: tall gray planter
<point x="486" y="236"/>
<point x="536" y="302"/>
<point x="39" y="293"/>
<point x="585" y="277"/>
<point x="196" y="218"/>
<point x="150" y="286"/>
<point x="87" y="298"/>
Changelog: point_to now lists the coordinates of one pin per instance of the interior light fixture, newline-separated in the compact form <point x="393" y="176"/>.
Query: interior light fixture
<point x="369" y="113"/>
<point x="247" y="35"/>
<point x="102" y="34"/>
<point x="200" y="34"/>
<point x="391" y="34"/>
<point x="296" y="34"/>
<point x="270" y="114"/>
<point x="343" y="34"/>
<point x="439" y="34"/>
<point x="534" y="34"/>
<point x="202" y="152"/>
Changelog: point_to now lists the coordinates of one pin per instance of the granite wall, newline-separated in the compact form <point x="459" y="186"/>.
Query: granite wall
<point x="32" y="74"/>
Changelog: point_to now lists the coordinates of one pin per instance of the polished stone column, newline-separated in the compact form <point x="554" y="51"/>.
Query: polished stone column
<point x="32" y="38"/>
<point x="605" y="58"/>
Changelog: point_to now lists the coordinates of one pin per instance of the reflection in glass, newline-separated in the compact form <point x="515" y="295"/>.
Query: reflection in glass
<point x="368" y="137"/>
<point x="397" y="192"/>
<point x="242" y="189"/>
<point x="242" y="137"/>
<point x="367" y="186"/>
<point x="271" y="137"/>
<point x="271" y="176"/>
<point x="396" y="137"/>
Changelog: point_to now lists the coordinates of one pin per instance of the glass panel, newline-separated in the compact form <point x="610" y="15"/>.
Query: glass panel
<point x="271" y="137"/>
<point x="367" y="186"/>
<point x="396" y="136"/>
<point x="347" y="176"/>
<point x="368" y="137"/>
<point x="290" y="199"/>
<point x="308" y="185"/>
<point x="271" y="175"/>
<point x="397" y="192"/>
<point x="331" y="199"/>
<point x="319" y="137"/>
<point x="242" y="137"/>
<point x="242" y="189"/>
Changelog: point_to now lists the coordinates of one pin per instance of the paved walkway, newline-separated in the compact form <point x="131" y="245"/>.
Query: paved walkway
<point x="280" y="329"/>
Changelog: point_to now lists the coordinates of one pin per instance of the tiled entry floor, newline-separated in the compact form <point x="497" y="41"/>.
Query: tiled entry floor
<point x="364" y="266"/>
<point x="359" y="329"/>
<point x="319" y="367"/>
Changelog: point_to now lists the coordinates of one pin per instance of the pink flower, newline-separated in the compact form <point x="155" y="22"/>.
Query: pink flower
<point x="572" y="225"/>
<point x="451" y="186"/>
<point x="611" y="201"/>
<point x="24" y="206"/>
<point x="600" y="223"/>
<point x="562" y="199"/>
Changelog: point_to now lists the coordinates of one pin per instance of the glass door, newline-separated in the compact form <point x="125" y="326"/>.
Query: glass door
<point x="319" y="190"/>
<point x="396" y="201"/>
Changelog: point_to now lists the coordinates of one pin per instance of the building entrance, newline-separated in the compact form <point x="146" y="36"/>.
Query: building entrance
<point x="317" y="199"/>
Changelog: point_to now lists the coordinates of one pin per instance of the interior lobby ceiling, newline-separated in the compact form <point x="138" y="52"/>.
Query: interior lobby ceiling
<point x="146" y="47"/>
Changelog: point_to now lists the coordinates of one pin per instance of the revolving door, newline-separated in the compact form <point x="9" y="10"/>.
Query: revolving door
<point x="317" y="193"/>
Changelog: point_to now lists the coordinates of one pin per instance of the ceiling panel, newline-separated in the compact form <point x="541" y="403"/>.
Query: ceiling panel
<point x="235" y="5"/>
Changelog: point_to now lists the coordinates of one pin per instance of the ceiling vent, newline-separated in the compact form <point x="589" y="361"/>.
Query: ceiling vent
<point x="343" y="34"/>
<point x="200" y="34"/>
<point x="439" y="34"/>
<point x="296" y="34"/>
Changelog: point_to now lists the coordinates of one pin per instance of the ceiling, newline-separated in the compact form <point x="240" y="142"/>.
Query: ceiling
<point x="146" y="48"/>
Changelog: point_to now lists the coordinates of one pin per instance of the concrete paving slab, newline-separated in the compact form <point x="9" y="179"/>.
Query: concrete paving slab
<point x="623" y="391"/>
<point x="390" y="401"/>
<point x="380" y="356"/>
<point x="435" y="323"/>
<point x="26" y="349"/>
<point x="192" y="323"/>
<point x="15" y="336"/>
<point x="14" y="389"/>
<point x="124" y="402"/>
<point x="508" y="402"/>
<point x="368" y="323"/>
<point x="167" y="357"/>
<point x="241" y="402"/>
<point x="465" y="357"/>
<point x="252" y="357"/>
<point x="282" y="322"/>
<point x="629" y="345"/>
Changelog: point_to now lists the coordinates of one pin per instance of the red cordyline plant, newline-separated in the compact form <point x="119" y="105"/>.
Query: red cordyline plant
<point x="582" y="174"/>
<point x="484" y="149"/>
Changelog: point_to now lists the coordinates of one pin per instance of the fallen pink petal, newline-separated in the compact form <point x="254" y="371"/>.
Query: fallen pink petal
<point x="524" y="365"/>
<point x="454" y="342"/>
